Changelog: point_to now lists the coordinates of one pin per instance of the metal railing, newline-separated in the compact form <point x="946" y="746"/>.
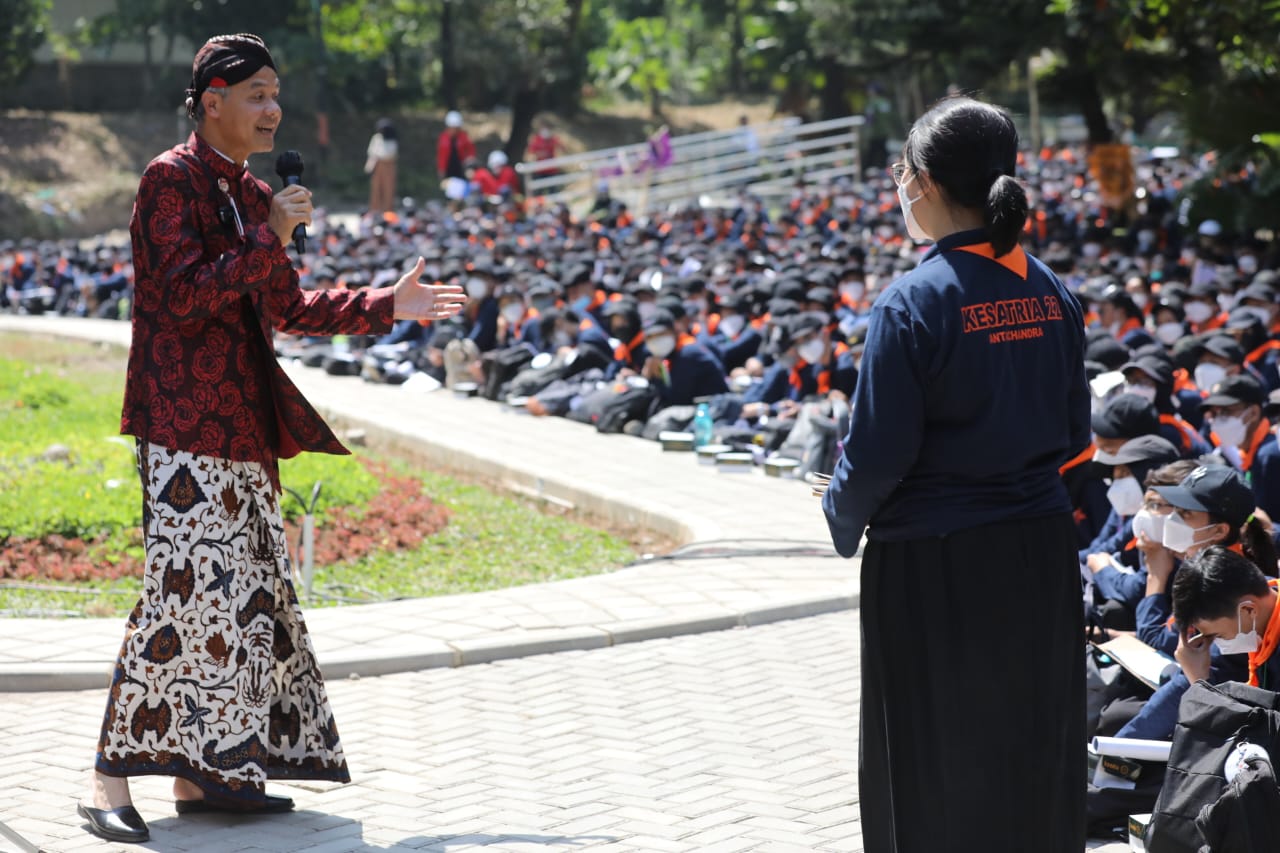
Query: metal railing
<point x="765" y="158"/>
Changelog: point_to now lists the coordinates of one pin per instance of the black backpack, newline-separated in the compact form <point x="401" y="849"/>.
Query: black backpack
<point x="1212" y="720"/>
<point x="633" y="404"/>
<point x="531" y="380"/>
<point x="501" y="366"/>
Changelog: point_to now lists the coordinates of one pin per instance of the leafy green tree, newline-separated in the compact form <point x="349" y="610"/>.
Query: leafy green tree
<point x="26" y="22"/>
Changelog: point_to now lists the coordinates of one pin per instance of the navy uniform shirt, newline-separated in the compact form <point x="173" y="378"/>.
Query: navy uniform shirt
<point x="692" y="372"/>
<point x="971" y="395"/>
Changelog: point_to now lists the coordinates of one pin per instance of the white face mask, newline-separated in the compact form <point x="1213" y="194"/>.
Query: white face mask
<point x="661" y="346"/>
<point x="913" y="227"/>
<point x="1179" y="536"/>
<point x="1146" y="392"/>
<point x="1126" y="496"/>
<point x="1198" y="312"/>
<point x="854" y="290"/>
<point x="1208" y="374"/>
<point x="731" y="324"/>
<point x="1169" y="333"/>
<point x="1230" y="429"/>
<point x="1227" y="301"/>
<point x="1151" y="526"/>
<point x="476" y="288"/>
<point x="1140" y="299"/>
<point x="811" y="351"/>
<point x="1243" y="642"/>
<point x="513" y="312"/>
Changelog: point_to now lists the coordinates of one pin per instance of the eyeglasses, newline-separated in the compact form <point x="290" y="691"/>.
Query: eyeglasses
<point x="898" y="171"/>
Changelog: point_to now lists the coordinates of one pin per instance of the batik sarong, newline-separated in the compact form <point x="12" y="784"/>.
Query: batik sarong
<point x="216" y="681"/>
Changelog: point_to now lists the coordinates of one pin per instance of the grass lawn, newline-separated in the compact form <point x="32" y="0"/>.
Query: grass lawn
<point x="85" y="500"/>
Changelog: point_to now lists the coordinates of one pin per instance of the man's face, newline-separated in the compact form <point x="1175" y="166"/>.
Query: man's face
<point x="1228" y="627"/>
<point x="248" y="115"/>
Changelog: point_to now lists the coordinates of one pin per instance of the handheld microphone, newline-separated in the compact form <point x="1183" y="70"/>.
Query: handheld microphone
<point x="289" y="168"/>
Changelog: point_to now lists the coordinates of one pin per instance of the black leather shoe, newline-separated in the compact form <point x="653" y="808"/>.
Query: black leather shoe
<point x="122" y="824"/>
<point x="269" y="805"/>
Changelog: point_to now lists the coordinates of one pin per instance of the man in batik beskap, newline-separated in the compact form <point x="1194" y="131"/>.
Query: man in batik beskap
<point x="217" y="683"/>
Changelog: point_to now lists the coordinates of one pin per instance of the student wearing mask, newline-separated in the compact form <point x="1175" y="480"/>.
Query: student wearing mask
<point x="677" y="366"/>
<point x="971" y="395"/>
<point x="1151" y="378"/>
<point x="1233" y="412"/>
<point x="735" y="339"/>
<point x="1113" y="559"/>
<point x="1168" y="320"/>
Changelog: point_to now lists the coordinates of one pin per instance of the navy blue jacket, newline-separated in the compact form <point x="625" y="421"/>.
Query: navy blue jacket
<point x="693" y="372"/>
<point x="733" y="353"/>
<point x="971" y="396"/>
<point x="485" y="329"/>
<point x="1264" y="476"/>
<point x="775" y="385"/>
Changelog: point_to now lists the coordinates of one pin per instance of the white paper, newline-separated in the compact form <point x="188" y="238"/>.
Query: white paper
<point x="1125" y="747"/>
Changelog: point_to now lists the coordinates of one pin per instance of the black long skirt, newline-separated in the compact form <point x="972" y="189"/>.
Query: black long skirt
<point x="973" y="703"/>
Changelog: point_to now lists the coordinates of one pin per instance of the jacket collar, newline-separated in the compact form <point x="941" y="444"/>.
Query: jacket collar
<point x="220" y="164"/>
<point x="960" y="238"/>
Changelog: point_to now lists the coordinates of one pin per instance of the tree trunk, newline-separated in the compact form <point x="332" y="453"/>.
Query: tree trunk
<point x="574" y="60"/>
<point x="524" y="106"/>
<point x="736" y="38"/>
<point x="833" y="100"/>
<point x="448" y="69"/>
<point x="1084" y="88"/>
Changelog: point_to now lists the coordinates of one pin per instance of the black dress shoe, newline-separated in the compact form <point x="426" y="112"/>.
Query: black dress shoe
<point x="122" y="824"/>
<point x="269" y="805"/>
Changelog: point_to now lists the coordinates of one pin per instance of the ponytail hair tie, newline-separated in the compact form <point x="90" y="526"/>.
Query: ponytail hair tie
<point x="1250" y="519"/>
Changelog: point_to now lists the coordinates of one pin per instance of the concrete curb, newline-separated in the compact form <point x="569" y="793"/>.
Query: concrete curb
<point x="423" y="653"/>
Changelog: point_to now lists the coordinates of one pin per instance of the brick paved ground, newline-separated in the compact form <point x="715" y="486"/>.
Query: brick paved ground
<point x="742" y="740"/>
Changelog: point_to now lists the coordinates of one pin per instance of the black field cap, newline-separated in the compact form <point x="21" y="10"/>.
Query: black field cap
<point x="1107" y="350"/>
<point x="1126" y="416"/>
<point x="1144" y="448"/>
<point x="1153" y="368"/>
<point x="1234" y="390"/>
<point x="1272" y="407"/>
<point x="805" y="323"/>
<point x="1215" y="489"/>
<point x="1243" y="318"/>
<point x="1226" y="347"/>
<point x="659" y="320"/>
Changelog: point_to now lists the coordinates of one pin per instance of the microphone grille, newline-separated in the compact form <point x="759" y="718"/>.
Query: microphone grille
<point x="289" y="164"/>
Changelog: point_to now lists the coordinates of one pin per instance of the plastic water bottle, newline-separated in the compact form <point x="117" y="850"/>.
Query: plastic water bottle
<point x="703" y="426"/>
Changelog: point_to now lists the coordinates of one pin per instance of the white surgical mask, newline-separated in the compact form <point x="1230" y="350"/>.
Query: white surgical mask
<point x="1146" y="392"/>
<point x="1198" y="312"/>
<point x="854" y="290"/>
<point x="811" y="351"/>
<point x="1230" y="429"/>
<point x="1244" y="642"/>
<point x="513" y="312"/>
<point x="1151" y="526"/>
<point x="1140" y="299"/>
<point x="1169" y="333"/>
<point x="1180" y="536"/>
<point x="1227" y="301"/>
<point x="1126" y="496"/>
<point x="731" y="324"/>
<point x="1208" y="374"/>
<point x="476" y="288"/>
<point x="913" y="227"/>
<point x="661" y="346"/>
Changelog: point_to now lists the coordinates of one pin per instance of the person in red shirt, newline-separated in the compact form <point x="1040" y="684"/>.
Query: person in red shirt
<point x="544" y="145"/>
<point x="454" y="148"/>
<point x="217" y="683"/>
<point x="498" y="178"/>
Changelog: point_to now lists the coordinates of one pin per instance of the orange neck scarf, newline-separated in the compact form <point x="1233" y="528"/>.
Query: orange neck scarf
<point x="1270" y="639"/>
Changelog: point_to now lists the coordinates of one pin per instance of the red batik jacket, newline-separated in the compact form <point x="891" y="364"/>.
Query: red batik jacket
<point x="211" y="280"/>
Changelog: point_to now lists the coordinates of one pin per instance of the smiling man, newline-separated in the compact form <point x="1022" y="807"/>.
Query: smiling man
<point x="216" y="683"/>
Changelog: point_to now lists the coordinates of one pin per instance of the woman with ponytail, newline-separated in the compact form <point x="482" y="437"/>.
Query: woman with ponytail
<point x="971" y="395"/>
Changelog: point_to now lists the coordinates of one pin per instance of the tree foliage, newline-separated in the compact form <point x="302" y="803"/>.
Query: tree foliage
<point x="26" y="21"/>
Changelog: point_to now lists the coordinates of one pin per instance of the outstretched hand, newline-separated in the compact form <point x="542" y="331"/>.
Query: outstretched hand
<point x="418" y="301"/>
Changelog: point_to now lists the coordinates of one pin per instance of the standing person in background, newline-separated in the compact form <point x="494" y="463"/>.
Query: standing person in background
<point x="544" y="145"/>
<point x="971" y="394"/>
<point x="216" y="683"/>
<point x="454" y="148"/>
<point x="380" y="165"/>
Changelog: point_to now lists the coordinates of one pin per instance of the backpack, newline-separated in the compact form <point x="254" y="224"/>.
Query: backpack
<point x="1212" y="720"/>
<point x="500" y="367"/>
<point x="633" y="404"/>
<point x="531" y="380"/>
